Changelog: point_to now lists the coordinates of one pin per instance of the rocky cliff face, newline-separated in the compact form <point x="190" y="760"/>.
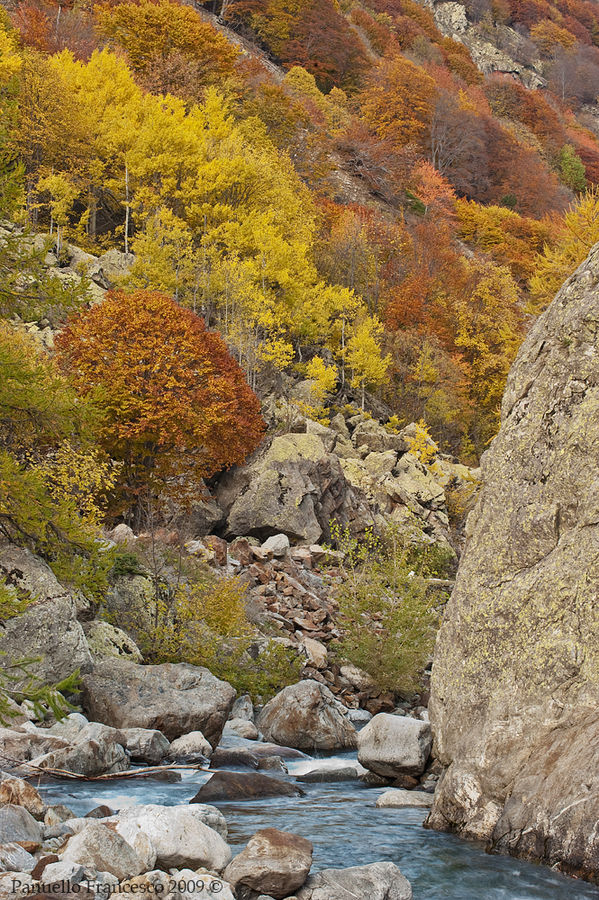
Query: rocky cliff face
<point x="515" y="687"/>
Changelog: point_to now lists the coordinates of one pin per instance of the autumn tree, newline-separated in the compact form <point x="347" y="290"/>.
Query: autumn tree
<point x="177" y="405"/>
<point x="399" y="101"/>
<point x="155" y="34"/>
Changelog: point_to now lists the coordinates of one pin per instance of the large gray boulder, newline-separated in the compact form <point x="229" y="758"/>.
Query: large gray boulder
<point x="273" y="862"/>
<point x="378" y="881"/>
<point x="307" y="716"/>
<point x="172" y="698"/>
<point x="178" y="836"/>
<point x="293" y="487"/>
<point x="99" y="847"/>
<point x="394" y="745"/>
<point x="48" y="631"/>
<point x="515" y="685"/>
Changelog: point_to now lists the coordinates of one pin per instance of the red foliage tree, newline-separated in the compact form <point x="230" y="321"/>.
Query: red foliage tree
<point x="177" y="405"/>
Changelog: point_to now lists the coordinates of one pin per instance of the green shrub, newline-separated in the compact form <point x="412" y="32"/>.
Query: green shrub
<point x="387" y="612"/>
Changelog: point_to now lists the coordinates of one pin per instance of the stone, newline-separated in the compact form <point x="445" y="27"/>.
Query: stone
<point x="122" y="534"/>
<point x="307" y="716"/>
<point x="243" y="708"/>
<point x="13" y="858"/>
<point x="179" y="837"/>
<point x="273" y="861"/>
<point x="104" y="639"/>
<point x="110" y="268"/>
<point x="376" y="438"/>
<point x="515" y="681"/>
<point x="146" y="745"/>
<point x="17" y="792"/>
<point x="70" y="727"/>
<point x="394" y="745"/>
<point x="57" y="814"/>
<point x="359" y="717"/>
<point x="172" y="698"/>
<point x="18" y="825"/>
<point x="398" y="799"/>
<point x="48" y="631"/>
<point x="378" y="881"/>
<point x="88" y="756"/>
<point x="294" y="487"/>
<point x="243" y="728"/>
<point x="277" y="545"/>
<point x="324" y="776"/>
<point x="243" y="786"/>
<point x="100" y="848"/>
<point x="195" y="883"/>
<point x="356" y="677"/>
<point x="316" y="652"/>
<point x="190" y="748"/>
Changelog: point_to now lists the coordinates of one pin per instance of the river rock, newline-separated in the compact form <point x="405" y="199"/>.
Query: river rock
<point x="398" y="799"/>
<point x="172" y="698"/>
<point x="273" y="861"/>
<point x="294" y="487"/>
<point x="394" y="745"/>
<point x="146" y="745"/>
<point x="100" y="848"/>
<point x="323" y="776"/>
<point x="190" y="748"/>
<point x="243" y="708"/>
<point x="242" y="728"/>
<point x="378" y="881"/>
<point x="16" y="824"/>
<point x="199" y="883"/>
<point x="515" y="684"/>
<point x="87" y="756"/>
<point x="307" y="716"/>
<point x="17" y="792"/>
<point x="178" y="836"/>
<point x="48" y="631"/>
<point x="243" y="786"/>
<point x="13" y="858"/>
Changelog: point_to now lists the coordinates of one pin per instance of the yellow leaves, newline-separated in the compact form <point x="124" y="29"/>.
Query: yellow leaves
<point x="10" y="60"/>
<point x="364" y="357"/>
<point x="325" y="377"/>
<point x="83" y="477"/>
<point x="574" y="236"/>
<point x="421" y="443"/>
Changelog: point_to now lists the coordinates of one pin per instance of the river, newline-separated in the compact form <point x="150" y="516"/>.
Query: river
<point x="347" y="829"/>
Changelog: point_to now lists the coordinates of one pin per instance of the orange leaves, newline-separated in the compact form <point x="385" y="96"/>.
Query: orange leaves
<point x="398" y="104"/>
<point x="176" y="402"/>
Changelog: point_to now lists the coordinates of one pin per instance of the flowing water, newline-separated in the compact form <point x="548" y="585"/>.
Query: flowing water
<point x="347" y="829"/>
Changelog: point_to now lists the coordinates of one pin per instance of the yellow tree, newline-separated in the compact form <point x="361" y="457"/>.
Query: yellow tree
<point x="364" y="357"/>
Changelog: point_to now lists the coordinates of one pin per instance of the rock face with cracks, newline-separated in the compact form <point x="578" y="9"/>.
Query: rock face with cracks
<point x="515" y="684"/>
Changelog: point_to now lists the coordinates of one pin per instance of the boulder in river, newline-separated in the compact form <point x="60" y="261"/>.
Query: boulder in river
<point x="146" y="745"/>
<point x="16" y="824"/>
<point x="274" y="862"/>
<point x="190" y="748"/>
<point x="243" y="786"/>
<point x="174" y="698"/>
<point x="307" y="716"/>
<point x="100" y="848"/>
<point x="378" y="881"/>
<point x="399" y="799"/>
<point x="394" y="745"/>
<point x="515" y="681"/>
<point x="178" y="836"/>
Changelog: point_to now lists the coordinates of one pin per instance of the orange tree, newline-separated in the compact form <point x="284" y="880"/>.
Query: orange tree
<point x="177" y="405"/>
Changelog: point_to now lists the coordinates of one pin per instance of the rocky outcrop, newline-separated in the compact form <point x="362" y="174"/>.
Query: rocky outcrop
<point x="515" y="683"/>
<point x="48" y="631"/>
<point x="307" y="716"/>
<point x="172" y="698"/>
<point x="294" y="487"/>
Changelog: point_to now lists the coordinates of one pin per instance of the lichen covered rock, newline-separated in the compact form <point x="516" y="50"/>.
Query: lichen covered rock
<point x="515" y="683"/>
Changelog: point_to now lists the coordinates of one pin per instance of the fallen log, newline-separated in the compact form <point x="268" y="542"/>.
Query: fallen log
<point x="146" y="772"/>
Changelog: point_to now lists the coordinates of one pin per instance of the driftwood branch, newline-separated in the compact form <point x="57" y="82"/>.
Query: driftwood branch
<point x="146" y="772"/>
